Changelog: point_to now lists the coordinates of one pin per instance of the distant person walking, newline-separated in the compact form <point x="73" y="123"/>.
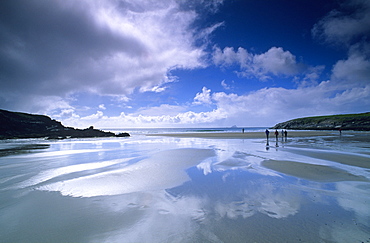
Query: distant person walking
<point x="276" y="134"/>
<point x="267" y="134"/>
<point x="285" y="134"/>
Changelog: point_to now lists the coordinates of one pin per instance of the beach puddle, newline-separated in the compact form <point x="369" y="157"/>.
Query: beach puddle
<point x="162" y="170"/>
<point x="23" y="149"/>
<point x="163" y="189"/>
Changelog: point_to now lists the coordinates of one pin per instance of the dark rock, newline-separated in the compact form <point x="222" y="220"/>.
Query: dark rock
<point x="123" y="134"/>
<point x="23" y="125"/>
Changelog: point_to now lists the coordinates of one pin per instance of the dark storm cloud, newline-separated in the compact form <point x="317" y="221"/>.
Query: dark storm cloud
<point x="44" y="42"/>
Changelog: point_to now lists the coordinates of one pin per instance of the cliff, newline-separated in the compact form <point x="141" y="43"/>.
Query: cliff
<point x="23" y="125"/>
<point x="359" y="122"/>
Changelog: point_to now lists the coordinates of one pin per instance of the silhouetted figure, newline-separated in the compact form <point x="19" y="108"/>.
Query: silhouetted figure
<point x="276" y="134"/>
<point x="243" y="130"/>
<point x="267" y="134"/>
<point x="340" y="131"/>
<point x="285" y="134"/>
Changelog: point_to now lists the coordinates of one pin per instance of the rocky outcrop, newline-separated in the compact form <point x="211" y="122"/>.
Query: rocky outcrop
<point x="359" y="122"/>
<point x="23" y="125"/>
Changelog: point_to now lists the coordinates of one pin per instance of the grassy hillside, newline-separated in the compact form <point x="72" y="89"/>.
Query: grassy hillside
<point x="345" y="122"/>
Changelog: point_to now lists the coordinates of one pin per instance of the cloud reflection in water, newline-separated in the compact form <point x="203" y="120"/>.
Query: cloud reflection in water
<point x="177" y="190"/>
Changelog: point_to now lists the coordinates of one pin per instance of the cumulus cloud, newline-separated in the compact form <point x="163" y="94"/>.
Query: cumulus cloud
<point x="228" y="56"/>
<point x="51" y="50"/>
<point x="162" y="116"/>
<point x="275" y="62"/>
<point x="203" y="98"/>
<point x="353" y="71"/>
<point x="349" y="27"/>
<point x="106" y="47"/>
<point x="259" y="108"/>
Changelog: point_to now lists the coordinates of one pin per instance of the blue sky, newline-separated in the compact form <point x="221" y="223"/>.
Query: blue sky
<point x="197" y="63"/>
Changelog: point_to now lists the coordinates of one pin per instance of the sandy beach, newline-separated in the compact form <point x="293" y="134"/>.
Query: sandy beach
<point x="313" y="186"/>
<point x="246" y="135"/>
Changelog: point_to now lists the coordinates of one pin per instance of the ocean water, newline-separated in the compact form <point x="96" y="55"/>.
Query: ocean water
<point x="166" y="189"/>
<point x="143" y="131"/>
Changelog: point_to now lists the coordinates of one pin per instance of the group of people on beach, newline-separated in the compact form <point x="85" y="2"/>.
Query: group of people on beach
<point x="283" y="134"/>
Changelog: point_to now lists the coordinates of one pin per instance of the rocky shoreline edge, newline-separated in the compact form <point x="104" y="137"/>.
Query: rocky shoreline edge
<point x="23" y="125"/>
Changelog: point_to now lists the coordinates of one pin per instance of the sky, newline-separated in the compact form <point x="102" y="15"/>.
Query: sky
<point x="184" y="63"/>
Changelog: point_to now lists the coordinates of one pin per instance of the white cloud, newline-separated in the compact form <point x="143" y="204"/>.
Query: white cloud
<point x="164" y="109"/>
<point x="98" y="115"/>
<point x="203" y="98"/>
<point x="149" y="118"/>
<point x="264" y="107"/>
<point x="349" y="26"/>
<point x="275" y="62"/>
<point x="340" y="27"/>
<point x="105" y="47"/>
<point x="228" y="56"/>
<point x="310" y="77"/>
<point x="354" y="71"/>
<point x="225" y="85"/>
<point x="67" y="114"/>
<point x="115" y="48"/>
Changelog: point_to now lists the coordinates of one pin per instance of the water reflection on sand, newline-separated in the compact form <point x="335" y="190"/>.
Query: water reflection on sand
<point x="163" y="189"/>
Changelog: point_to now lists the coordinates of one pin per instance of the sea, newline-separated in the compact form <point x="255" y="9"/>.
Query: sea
<point x="186" y="189"/>
<point x="144" y="131"/>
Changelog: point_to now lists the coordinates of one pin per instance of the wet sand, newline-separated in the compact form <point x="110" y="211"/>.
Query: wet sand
<point x="246" y="135"/>
<point x="312" y="172"/>
<point x="310" y="149"/>
<point x="357" y="160"/>
<point x="197" y="187"/>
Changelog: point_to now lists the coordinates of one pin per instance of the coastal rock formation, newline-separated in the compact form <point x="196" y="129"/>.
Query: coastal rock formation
<point x="359" y="122"/>
<point x="23" y="125"/>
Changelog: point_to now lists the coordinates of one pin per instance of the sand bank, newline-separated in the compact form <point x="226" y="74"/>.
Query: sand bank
<point x="358" y="160"/>
<point x="247" y="135"/>
<point x="320" y="173"/>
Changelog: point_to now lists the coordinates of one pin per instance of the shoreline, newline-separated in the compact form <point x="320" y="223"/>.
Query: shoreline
<point x="248" y="135"/>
